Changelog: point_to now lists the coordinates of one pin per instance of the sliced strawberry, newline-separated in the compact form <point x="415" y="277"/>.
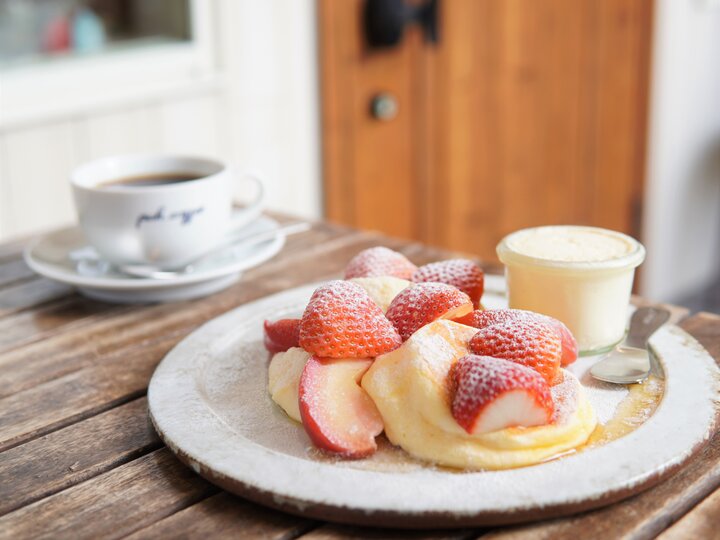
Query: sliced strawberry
<point x="342" y="321"/>
<point x="568" y="343"/>
<point x="490" y="394"/>
<point x="461" y="273"/>
<point x="532" y="343"/>
<point x="379" y="261"/>
<point x="336" y="412"/>
<point x="483" y="318"/>
<point x="281" y="335"/>
<point x="423" y="303"/>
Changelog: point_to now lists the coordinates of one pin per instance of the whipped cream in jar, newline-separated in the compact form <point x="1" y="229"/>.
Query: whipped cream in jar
<point x="582" y="276"/>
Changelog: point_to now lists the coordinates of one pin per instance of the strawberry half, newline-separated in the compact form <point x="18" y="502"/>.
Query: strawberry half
<point x="532" y="343"/>
<point x="337" y="414"/>
<point x="490" y="394"/>
<point x="281" y="335"/>
<point x="484" y="318"/>
<point x="423" y="303"/>
<point x="461" y="273"/>
<point x="342" y="321"/>
<point x="379" y="261"/>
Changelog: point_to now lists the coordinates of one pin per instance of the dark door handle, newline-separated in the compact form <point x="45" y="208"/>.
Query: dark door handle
<point x="385" y="20"/>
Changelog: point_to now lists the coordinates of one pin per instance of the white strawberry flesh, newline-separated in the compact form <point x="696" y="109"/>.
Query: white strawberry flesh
<point x="489" y="394"/>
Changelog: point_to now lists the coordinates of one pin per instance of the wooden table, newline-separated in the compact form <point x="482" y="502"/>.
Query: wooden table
<point x="78" y="458"/>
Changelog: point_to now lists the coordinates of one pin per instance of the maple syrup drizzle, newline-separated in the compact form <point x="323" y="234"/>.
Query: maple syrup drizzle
<point x="639" y="405"/>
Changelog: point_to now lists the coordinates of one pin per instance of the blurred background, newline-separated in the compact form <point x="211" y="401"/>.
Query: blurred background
<point x="453" y="122"/>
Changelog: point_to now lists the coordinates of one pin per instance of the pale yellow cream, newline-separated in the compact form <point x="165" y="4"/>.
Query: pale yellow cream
<point x="571" y="244"/>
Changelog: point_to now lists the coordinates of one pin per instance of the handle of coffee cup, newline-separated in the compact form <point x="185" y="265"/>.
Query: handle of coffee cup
<point x="251" y="211"/>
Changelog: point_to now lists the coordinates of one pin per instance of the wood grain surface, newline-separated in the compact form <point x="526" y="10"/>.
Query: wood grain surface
<point x="78" y="458"/>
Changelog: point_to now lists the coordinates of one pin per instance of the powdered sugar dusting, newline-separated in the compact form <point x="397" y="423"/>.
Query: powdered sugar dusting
<point x="533" y="343"/>
<point x="423" y="303"/>
<point x="461" y="273"/>
<point x="446" y="344"/>
<point x="342" y="321"/>
<point x="489" y="317"/>
<point x="479" y="380"/>
<point x="379" y="261"/>
<point x="565" y="396"/>
<point x="605" y="397"/>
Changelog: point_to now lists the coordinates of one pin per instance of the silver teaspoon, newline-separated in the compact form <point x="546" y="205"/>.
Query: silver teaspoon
<point x="152" y="272"/>
<point x="629" y="362"/>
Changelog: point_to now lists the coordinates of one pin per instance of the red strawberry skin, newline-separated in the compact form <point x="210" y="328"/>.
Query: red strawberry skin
<point x="379" y="261"/>
<point x="484" y="318"/>
<point x="342" y="321"/>
<point x="568" y="341"/>
<point x="421" y="304"/>
<point x="461" y="273"/>
<point x="281" y="335"/>
<point x="478" y="382"/>
<point x="532" y="343"/>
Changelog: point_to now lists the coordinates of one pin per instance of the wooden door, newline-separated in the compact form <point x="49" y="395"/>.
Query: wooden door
<point x="526" y="112"/>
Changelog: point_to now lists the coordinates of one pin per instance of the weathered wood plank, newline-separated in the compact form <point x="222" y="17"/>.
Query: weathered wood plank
<point x="19" y="327"/>
<point x="13" y="270"/>
<point x="69" y="456"/>
<point x="649" y="513"/>
<point x="29" y="293"/>
<point x="74" y="349"/>
<point x="117" y="355"/>
<point x="60" y="402"/>
<point x="67" y="351"/>
<point x="701" y="523"/>
<point x="115" y="378"/>
<point x="13" y="249"/>
<point x="677" y="313"/>
<point x="112" y="505"/>
<point x="336" y="532"/>
<point x="705" y="327"/>
<point x="69" y="312"/>
<point x="226" y="516"/>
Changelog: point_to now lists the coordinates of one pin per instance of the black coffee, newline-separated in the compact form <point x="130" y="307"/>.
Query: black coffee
<point x="150" y="180"/>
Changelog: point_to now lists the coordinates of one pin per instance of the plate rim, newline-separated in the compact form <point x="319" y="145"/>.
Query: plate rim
<point x="315" y="507"/>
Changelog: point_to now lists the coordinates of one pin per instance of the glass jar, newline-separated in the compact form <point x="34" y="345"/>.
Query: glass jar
<point x="582" y="276"/>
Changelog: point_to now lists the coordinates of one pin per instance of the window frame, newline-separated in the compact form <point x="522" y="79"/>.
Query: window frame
<point x="79" y="85"/>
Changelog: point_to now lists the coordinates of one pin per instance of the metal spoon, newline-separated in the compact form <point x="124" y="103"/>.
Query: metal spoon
<point x="629" y="362"/>
<point x="153" y="272"/>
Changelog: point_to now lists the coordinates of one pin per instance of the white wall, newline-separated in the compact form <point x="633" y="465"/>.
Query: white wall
<point x="682" y="204"/>
<point x="260" y="112"/>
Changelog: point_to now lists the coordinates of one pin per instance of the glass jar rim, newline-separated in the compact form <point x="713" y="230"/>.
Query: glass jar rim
<point x="633" y="259"/>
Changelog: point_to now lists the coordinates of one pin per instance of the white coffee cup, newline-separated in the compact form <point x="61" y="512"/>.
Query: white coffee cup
<point x="132" y="213"/>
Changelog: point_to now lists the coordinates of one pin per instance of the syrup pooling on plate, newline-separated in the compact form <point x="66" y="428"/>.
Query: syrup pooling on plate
<point x="639" y="405"/>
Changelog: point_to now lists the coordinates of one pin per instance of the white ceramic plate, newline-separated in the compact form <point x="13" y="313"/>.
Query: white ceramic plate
<point x="208" y="400"/>
<point x="65" y="257"/>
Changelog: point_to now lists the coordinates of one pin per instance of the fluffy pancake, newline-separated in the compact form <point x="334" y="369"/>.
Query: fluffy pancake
<point x="409" y="387"/>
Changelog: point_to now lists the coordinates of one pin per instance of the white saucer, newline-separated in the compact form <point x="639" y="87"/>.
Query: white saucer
<point x="64" y="256"/>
